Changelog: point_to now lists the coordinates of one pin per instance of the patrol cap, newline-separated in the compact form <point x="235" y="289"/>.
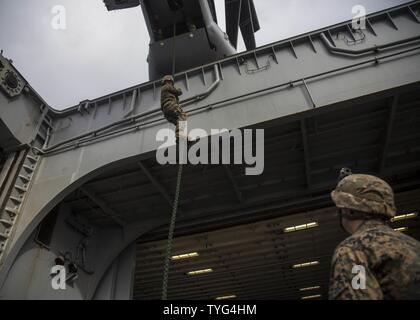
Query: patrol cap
<point x="365" y="193"/>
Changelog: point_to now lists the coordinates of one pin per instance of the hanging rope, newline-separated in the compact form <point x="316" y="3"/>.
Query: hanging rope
<point x="174" y="206"/>
<point x="171" y="235"/>
<point x="173" y="50"/>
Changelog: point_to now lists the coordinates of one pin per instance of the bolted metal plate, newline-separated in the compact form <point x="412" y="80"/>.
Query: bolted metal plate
<point x="11" y="82"/>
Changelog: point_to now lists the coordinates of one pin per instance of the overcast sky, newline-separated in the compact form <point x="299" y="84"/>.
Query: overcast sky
<point x="101" y="52"/>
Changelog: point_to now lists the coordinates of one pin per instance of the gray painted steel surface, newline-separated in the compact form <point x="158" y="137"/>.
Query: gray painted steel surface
<point x="319" y="75"/>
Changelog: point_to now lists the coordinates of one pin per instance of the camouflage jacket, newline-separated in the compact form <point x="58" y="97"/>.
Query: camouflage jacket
<point x="169" y="95"/>
<point x="391" y="261"/>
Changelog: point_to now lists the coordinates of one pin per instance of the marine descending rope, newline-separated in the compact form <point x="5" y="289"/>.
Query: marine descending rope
<point x="175" y="203"/>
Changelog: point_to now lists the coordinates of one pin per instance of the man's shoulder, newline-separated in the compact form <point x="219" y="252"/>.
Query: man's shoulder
<point x="363" y="239"/>
<point x="376" y="239"/>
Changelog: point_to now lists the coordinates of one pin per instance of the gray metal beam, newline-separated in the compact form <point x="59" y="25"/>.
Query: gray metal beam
<point x="393" y="103"/>
<point x="105" y="208"/>
<point x="234" y="184"/>
<point x="156" y="183"/>
<point x="305" y="152"/>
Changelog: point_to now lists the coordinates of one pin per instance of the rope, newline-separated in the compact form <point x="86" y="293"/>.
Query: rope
<point x="173" y="50"/>
<point x="171" y="235"/>
<point x="175" y="203"/>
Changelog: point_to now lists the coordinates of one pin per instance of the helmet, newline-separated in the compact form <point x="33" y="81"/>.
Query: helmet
<point x="365" y="193"/>
<point x="167" y="78"/>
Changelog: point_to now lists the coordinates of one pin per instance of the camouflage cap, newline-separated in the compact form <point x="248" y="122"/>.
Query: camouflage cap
<point x="167" y="78"/>
<point x="365" y="193"/>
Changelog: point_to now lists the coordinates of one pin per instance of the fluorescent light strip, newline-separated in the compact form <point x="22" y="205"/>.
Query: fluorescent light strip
<point x="401" y="229"/>
<point x="310" y="288"/>
<point x="306" y="264"/>
<point x="185" y="256"/>
<point x="197" y="272"/>
<point x="301" y="227"/>
<point x="404" y="216"/>
<point x="232" y="296"/>
<point x="311" y="297"/>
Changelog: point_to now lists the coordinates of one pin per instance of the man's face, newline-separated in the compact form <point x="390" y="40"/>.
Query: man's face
<point x="346" y="225"/>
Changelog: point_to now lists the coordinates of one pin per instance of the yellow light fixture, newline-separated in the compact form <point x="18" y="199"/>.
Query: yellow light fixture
<point x="197" y="272"/>
<point x="404" y="216"/>
<point x="185" y="256"/>
<point x="231" y="296"/>
<point x="301" y="227"/>
<point x="311" y="297"/>
<point x="306" y="264"/>
<point x="401" y="229"/>
<point x="310" y="288"/>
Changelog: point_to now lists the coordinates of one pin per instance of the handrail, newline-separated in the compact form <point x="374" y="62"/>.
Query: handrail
<point x="221" y="103"/>
<point x="206" y="93"/>
<point x="132" y="119"/>
<point x="187" y="101"/>
<point x="370" y="50"/>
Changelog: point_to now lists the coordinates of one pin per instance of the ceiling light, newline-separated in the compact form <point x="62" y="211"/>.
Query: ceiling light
<point x="232" y="296"/>
<point x="310" y="288"/>
<point x="185" y="256"/>
<point x="401" y="229"/>
<point x="306" y="264"/>
<point x="404" y="216"/>
<point x="197" y="272"/>
<point x="301" y="227"/>
<point x="311" y="297"/>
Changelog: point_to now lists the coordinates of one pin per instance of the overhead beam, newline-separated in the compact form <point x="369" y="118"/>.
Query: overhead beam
<point x="156" y="183"/>
<point x="232" y="180"/>
<point x="104" y="207"/>
<point x="393" y="103"/>
<point x="305" y="152"/>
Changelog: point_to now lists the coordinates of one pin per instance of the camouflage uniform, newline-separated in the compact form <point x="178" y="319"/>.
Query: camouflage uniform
<point x="391" y="259"/>
<point x="170" y="104"/>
